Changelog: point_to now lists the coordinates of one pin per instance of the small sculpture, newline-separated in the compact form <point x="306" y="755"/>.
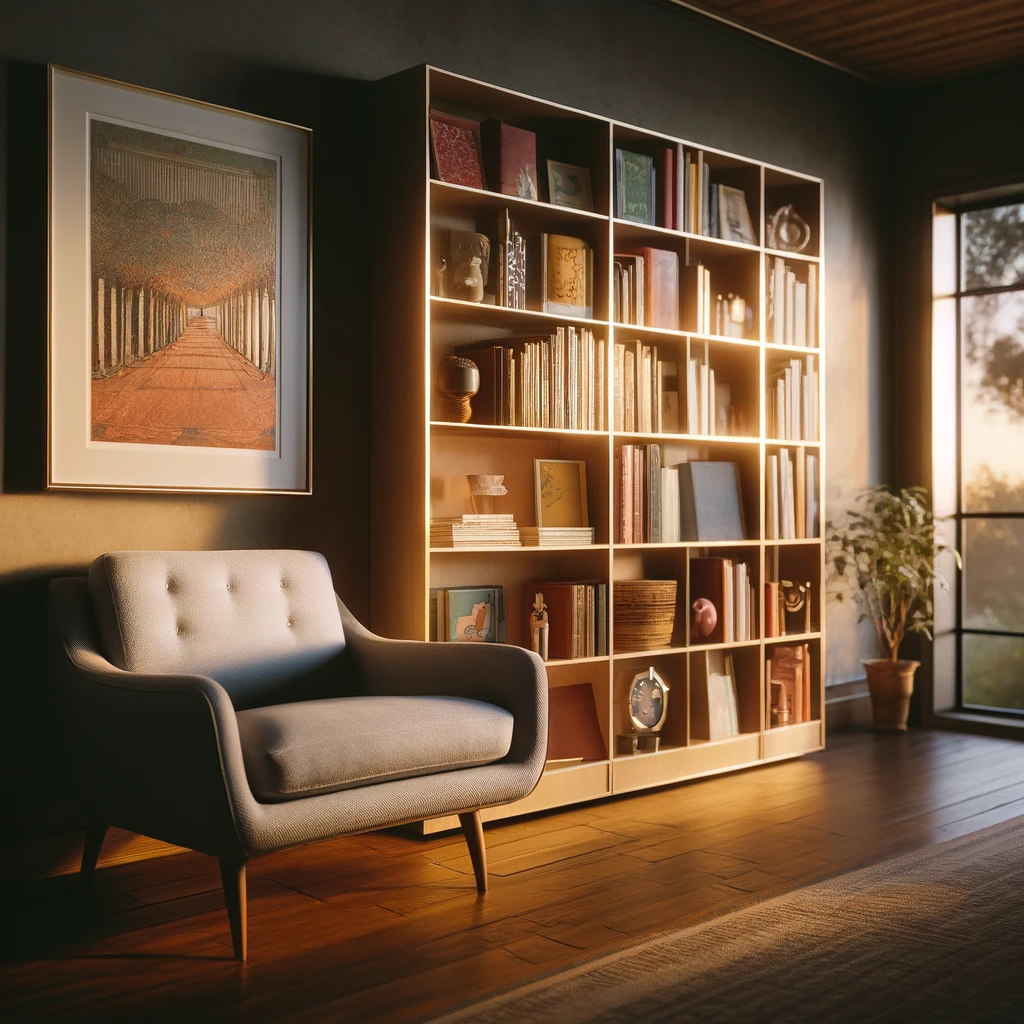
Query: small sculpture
<point x="468" y="281"/>
<point x="787" y="230"/>
<point x="458" y="380"/>
<point x="539" y="627"/>
<point x="705" y="618"/>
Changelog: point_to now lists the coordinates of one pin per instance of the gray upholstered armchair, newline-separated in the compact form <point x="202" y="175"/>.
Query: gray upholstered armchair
<point x="228" y="702"/>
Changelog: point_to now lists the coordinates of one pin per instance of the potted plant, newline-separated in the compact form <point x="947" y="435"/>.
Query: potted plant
<point x="883" y="552"/>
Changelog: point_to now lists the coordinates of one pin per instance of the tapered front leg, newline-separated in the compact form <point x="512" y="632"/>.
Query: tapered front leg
<point x="473" y="828"/>
<point x="232" y="876"/>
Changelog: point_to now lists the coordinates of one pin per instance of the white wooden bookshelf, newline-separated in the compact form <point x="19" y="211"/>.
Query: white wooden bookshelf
<point x="416" y="455"/>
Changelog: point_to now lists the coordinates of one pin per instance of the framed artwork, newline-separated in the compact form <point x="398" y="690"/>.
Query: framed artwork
<point x="455" y="144"/>
<point x="569" y="185"/>
<point x="179" y="319"/>
<point x="560" y="492"/>
<point x="733" y="216"/>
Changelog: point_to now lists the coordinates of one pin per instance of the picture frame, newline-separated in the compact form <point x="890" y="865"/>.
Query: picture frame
<point x="174" y="366"/>
<point x="560" y="492"/>
<point x="569" y="186"/>
<point x="734" y="223"/>
<point x="456" y="150"/>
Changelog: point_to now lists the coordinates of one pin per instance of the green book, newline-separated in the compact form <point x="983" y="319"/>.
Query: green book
<point x="634" y="191"/>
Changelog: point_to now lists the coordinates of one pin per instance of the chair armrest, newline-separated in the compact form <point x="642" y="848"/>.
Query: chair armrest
<point x="154" y="754"/>
<point x="502" y="674"/>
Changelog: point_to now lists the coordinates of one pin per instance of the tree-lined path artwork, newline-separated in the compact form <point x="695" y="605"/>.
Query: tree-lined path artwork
<point x="184" y="269"/>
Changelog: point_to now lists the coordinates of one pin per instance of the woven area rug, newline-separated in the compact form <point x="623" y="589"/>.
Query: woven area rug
<point x="937" y="935"/>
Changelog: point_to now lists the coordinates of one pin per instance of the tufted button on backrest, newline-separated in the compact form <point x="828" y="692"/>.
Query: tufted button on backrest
<point x="264" y="624"/>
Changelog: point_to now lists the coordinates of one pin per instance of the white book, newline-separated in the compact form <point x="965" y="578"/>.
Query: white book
<point x="704" y="397"/>
<point x="771" y="526"/>
<point x="812" y="306"/>
<point x="811" y="495"/>
<point x="602" y="396"/>
<point x="779" y="289"/>
<point x="618" y="382"/>
<point x="790" y="307"/>
<point x="670" y="504"/>
<point x="692" y="404"/>
<point x="712" y="402"/>
<point x="779" y="429"/>
<point x="681" y="186"/>
<point x="800" y="314"/>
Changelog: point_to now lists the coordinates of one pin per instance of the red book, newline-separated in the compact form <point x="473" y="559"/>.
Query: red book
<point x="510" y="159"/>
<point x="668" y="184"/>
<point x="573" y="726"/>
<point x="455" y="142"/>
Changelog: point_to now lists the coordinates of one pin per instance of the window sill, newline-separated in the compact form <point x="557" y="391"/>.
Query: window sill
<point x="980" y="723"/>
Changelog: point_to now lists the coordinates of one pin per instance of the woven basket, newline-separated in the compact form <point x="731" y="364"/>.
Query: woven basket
<point x="645" y="614"/>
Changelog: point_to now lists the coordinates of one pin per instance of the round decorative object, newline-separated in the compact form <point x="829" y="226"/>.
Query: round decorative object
<point x="787" y="230"/>
<point x="458" y="380"/>
<point x="705" y="618"/>
<point x="648" y="701"/>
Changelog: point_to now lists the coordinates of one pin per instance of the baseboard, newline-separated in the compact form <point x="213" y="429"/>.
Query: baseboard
<point x="847" y="706"/>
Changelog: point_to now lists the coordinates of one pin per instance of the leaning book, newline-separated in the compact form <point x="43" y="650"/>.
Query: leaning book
<point x="468" y="614"/>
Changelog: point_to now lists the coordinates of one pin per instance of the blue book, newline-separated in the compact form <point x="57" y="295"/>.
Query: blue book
<point x="709" y="501"/>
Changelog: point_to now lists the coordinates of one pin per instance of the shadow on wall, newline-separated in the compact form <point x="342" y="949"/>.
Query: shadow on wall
<point x="49" y="535"/>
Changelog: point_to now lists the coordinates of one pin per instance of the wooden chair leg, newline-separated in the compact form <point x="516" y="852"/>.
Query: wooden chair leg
<point x="473" y="828"/>
<point x="94" y="833"/>
<point x="232" y="876"/>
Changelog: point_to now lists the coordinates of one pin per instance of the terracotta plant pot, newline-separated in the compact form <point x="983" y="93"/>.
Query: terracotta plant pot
<point x="891" y="683"/>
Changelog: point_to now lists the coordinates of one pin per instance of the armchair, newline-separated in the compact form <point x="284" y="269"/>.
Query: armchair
<point x="227" y="701"/>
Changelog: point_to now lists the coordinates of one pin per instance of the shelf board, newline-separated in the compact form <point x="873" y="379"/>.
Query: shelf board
<point x="778" y="442"/>
<point x="688" y="438"/>
<point x="658" y="653"/>
<point x="706" y="243"/>
<point x="563" y="662"/>
<point x="724" y="647"/>
<point x="447" y="196"/>
<point x="686" y="544"/>
<point x="510" y="549"/>
<point x="791" y="541"/>
<point x="486" y="313"/>
<point x="725" y="739"/>
<point x="491" y="430"/>
<point x="791" y="255"/>
<point x="717" y="339"/>
<point x="792" y="638"/>
<point x="771" y="346"/>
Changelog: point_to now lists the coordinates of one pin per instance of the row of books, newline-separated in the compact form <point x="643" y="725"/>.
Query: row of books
<point x="729" y="586"/>
<point x="674" y="190"/>
<point x="646" y="391"/>
<point x="791" y="495"/>
<point x="556" y="382"/>
<point x="499" y="530"/>
<point x="690" y="501"/>
<point x="793" y="401"/>
<point x="651" y="289"/>
<point x="792" y="306"/>
<point x="788" y="685"/>
<point x="576" y="615"/>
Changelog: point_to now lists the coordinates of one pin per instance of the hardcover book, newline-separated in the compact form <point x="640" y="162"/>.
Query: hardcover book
<point x="566" y="275"/>
<point x="469" y="614"/>
<point x="709" y="501"/>
<point x="455" y="144"/>
<point x="510" y="158"/>
<point x="661" y="288"/>
<point x="573" y="727"/>
<point x="634" y="191"/>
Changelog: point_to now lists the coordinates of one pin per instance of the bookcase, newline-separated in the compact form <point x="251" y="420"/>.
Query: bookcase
<point x="421" y="460"/>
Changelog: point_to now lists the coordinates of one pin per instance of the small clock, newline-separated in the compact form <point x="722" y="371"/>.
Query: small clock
<point x="648" y="701"/>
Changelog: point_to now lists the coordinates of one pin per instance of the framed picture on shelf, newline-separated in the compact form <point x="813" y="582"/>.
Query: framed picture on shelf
<point x="179" y="342"/>
<point x="560" y="492"/>
<point x="569" y="186"/>
<point x="733" y="216"/>
<point x="455" y="147"/>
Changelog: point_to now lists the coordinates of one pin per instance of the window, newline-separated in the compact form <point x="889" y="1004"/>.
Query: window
<point x="978" y="451"/>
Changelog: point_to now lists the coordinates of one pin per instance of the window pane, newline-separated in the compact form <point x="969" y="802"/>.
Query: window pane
<point x="992" y="413"/>
<point x="994" y="671"/>
<point x="944" y="482"/>
<point x="993" y="246"/>
<point x="994" y="574"/>
<point x="943" y="252"/>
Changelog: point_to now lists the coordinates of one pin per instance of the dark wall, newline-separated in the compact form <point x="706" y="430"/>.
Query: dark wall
<point x="309" y="62"/>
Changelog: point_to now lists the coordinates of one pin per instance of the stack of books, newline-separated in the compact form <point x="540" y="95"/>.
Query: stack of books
<point x="792" y="306"/>
<point x="556" y="382"/>
<point x="729" y="586"/>
<point x="556" y="536"/>
<point x="577" y="617"/>
<point x="471" y="531"/>
<point x="646" y="394"/>
<point x="638" y="482"/>
<point x="791" y="498"/>
<point x="793" y="401"/>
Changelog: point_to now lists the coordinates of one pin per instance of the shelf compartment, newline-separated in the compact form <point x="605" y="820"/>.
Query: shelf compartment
<point x="804" y="194"/>
<point x="812" y="665"/>
<point x="673" y="671"/>
<point x="446" y="196"/>
<point x="798" y="564"/>
<point x="503" y="319"/>
<point x="661" y="563"/>
<point x="496" y="550"/>
<point x="676" y="764"/>
<point x="483" y="431"/>
<point x="581" y="673"/>
<point x="746" y="660"/>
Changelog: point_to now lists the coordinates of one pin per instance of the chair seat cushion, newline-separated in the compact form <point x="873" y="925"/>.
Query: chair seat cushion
<point x="320" y="746"/>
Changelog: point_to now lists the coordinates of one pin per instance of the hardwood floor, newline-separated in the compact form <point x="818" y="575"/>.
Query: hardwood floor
<point x="384" y="926"/>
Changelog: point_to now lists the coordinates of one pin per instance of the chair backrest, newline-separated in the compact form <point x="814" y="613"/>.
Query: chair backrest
<point x="264" y="624"/>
